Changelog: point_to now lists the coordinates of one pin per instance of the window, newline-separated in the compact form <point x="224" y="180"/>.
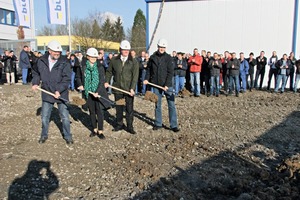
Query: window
<point x="7" y="17"/>
<point x="2" y="16"/>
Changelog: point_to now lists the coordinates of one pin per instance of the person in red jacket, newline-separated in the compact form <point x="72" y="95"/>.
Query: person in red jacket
<point x="195" y="63"/>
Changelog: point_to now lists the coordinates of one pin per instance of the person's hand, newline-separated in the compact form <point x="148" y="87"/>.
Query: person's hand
<point x="193" y="60"/>
<point x="96" y="95"/>
<point x="179" y="66"/>
<point x="56" y="95"/>
<point x="232" y="66"/>
<point x="106" y="85"/>
<point x="145" y="82"/>
<point x="132" y="93"/>
<point x="81" y="88"/>
<point x="34" y="87"/>
<point x="166" y="88"/>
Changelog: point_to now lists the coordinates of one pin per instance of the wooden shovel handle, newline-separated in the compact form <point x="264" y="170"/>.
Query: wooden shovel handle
<point x="115" y="88"/>
<point x="157" y="86"/>
<point x="50" y="93"/>
<point x="45" y="91"/>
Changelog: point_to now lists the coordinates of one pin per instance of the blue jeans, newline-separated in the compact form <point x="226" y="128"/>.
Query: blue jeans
<point x="72" y="86"/>
<point x="214" y="84"/>
<point x="24" y="75"/>
<point x="296" y="82"/>
<point x="171" y="108"/>
<point x="282" y="78"/>
<point x="64" y="116"/>
<point x="142" y="80"/>
<point x="179" y="83"/>
<point x="110" y="83"/>
<point x="236" y="80"/>
<point x="244" y="82"/>
<point x="195" y="82"/>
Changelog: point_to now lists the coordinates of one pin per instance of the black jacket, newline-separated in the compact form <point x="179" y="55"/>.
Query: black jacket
<point x="215" y="67"/>
<point x="280" y="63"/>
<point x="261" y="63"/>
<point x="58" y="79"/>
<point x="236" y="70"/>
<point x="160" y="69"/>
<point x="180" y="71"/>
<point x="80" y="78"/>
<point x="9" y="63"/>
<point x="251" y="65"/>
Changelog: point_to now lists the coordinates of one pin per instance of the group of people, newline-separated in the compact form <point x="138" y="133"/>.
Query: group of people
<point x="93" y="77"/>
<point x="26" y="60"/>
<point x="207" y="73"/>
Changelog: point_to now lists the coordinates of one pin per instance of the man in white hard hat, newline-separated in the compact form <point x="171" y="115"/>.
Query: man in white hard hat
<point x="160" y="72"/>
<point x="125" y="71"/>
<point x="54" y="71"/>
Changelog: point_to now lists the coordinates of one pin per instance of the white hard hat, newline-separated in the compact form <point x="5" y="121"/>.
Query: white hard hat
<point x="125" y="45"/>
<point x="54" y="45"/>
<point x="92" y="52"/>
<point x="162" y="43"/>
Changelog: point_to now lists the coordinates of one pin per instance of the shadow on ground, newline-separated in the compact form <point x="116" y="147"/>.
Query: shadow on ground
<point x="246" y="172"/>
<point x="38" y="182"/>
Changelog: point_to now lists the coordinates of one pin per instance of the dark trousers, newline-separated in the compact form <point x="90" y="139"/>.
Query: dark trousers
<point x="291" y="76"/>
<point x="251" y="83"/>
<point x="225" y="81"/>
<point x="128" y="109"/>
<point x="204" y="78"/>
<point x="96" y="112"/>
<point x="261" y="73"/>
<point x="271" y="73"/>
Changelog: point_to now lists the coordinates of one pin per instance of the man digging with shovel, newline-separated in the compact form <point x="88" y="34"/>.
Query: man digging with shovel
<point x="54" y="71"/>
<point x="125" y="71"/>
<point x="159" y="74"/>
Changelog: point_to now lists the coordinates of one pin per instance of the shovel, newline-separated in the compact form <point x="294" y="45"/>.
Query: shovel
<point x="108" y="100"/>
<point x="160" y="87"/>
<point x="50" y="93"/>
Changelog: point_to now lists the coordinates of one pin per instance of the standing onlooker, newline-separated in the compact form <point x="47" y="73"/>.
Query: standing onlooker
<point x="273" y="70"/>
<point x="215" y="66"/>
<point x="195" y="63"/>
<point x="297" y="75"/>
<point x="161" y="71"/>
<point x="74" y="62"/>
<point x="234" y="70"/>
<point x="24" y="64"/>
<point x="225" y="71"/>
<point x="283" y="66"/>
<point x="90" y="79"/>
<point x="244" y="70"/>
<point x="261" y="61"/>
<point x="54" y="72"/>
<point x="204" y="75"/>
<point x="180" y="72"/>
<point x="143" y="70"/>
<point x="9" y="60"/>
<point x="252" y="62"/>
<point x="125" y="70"/>
<point x="291" y="76"/>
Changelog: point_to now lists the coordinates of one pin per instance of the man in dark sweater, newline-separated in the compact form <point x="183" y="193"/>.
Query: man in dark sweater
<point x="261" y="61"/>
<point x="234" y="74"/>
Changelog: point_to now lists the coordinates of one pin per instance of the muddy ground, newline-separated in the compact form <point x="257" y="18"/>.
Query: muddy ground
<point x="228" y="148"/>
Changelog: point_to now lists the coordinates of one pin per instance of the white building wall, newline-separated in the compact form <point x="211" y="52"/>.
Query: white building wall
<point x="219" y="25"/>
<point x="9" y="32"/>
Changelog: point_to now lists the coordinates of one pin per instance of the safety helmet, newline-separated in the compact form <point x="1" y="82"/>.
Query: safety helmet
<point x="162" y="43"/>
<point x="125" y="45"/>
<point x="54" y="46"/>
<point x="92" y="52"/>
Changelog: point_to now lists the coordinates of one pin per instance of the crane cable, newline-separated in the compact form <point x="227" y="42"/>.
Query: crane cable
<point x="157" y="23"/>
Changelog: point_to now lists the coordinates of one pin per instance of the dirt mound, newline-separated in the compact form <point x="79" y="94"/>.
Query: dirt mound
<point x="150" y="96"/>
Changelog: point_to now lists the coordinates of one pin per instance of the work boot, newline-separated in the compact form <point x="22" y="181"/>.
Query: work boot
<point x="43" y="140"/>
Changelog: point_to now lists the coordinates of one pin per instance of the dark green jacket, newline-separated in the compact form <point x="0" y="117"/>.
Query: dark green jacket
<point x="124" y="77"/>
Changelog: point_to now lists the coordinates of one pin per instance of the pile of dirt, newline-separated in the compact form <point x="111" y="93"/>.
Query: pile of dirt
<point x="150" y="96"/>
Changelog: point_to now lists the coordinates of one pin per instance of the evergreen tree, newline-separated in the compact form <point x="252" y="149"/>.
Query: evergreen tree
<point x="138" y="31"/>
<point x="107" y="30"/>
<point x="96" y="30"/>
<point x="119" y="34"/>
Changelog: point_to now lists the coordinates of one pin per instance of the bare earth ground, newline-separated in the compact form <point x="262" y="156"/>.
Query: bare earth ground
<point x="228" y="148"/>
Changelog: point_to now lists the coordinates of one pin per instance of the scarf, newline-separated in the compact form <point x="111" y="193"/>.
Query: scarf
<point x="91" y="80"/>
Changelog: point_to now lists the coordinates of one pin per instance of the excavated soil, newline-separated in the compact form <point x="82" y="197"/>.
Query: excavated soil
<point x="228" y="148"/>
